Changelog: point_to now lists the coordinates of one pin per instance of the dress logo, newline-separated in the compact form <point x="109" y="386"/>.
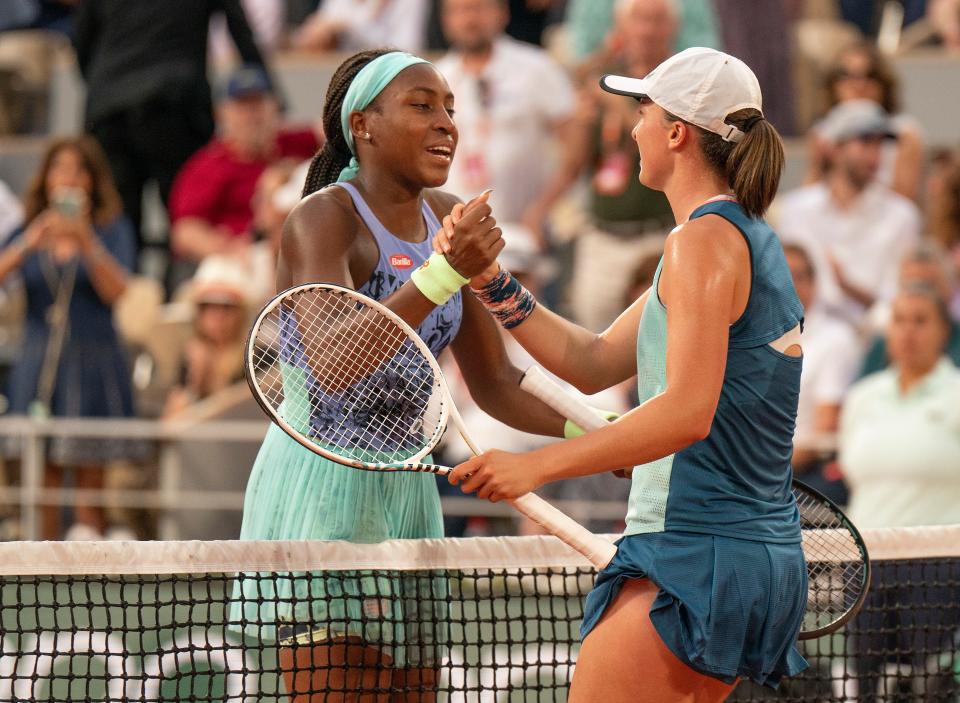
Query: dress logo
<point x="401" y="261"/>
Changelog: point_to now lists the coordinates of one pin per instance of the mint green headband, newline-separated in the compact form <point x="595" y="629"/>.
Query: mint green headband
<point x="365" y="86"/>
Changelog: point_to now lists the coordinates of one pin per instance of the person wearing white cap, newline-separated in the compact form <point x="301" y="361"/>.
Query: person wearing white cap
<point x="708" y="585"/>
<point x="212" y="357"/>
<point x="856" y="228"/>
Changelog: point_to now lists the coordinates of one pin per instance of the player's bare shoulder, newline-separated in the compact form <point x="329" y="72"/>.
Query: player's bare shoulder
<point x="709" y="236"/>
<point x="326" y="216"/>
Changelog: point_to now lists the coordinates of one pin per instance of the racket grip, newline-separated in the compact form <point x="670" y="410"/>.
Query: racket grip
<point x="538" y="384"/>
<point x="598" y="550"/>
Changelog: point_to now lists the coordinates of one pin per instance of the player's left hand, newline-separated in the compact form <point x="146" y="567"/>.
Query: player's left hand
<point x="496" y="475"/>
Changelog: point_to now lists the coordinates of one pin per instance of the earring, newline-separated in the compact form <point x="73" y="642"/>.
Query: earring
<point x="365" y="135"/>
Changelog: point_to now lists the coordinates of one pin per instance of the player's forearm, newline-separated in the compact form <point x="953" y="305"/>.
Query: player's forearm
<point x="501" y="397"/>
<point x="660" y="427"/>
<point x="573" y="353"/>
<point x="410" y="303"/>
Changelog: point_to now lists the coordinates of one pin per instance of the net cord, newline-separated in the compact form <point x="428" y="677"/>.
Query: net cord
<point x="230" y="556"/>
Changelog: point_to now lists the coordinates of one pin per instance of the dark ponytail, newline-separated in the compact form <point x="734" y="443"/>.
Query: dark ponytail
<point x="335" y="154"/>
<point x="753" y="165"/>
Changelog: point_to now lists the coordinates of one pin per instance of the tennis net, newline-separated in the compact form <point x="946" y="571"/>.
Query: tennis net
<point x="481" y="619"/>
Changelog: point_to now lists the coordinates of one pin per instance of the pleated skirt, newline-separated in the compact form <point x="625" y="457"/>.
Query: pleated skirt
<point x="295" y="494"/>
<point x="728" y="608"/>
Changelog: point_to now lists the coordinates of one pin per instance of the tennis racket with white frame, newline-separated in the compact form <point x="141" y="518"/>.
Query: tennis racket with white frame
<point x="838" y="565"/>
<point x="350" y="380"/>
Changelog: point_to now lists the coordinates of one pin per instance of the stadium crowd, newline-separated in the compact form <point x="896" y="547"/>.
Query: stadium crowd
<point x="872" y="235"/>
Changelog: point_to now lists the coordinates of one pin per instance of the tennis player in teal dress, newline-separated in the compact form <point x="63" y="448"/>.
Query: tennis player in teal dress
<point x="366" y="221"/>
<point x="708" y="585"/>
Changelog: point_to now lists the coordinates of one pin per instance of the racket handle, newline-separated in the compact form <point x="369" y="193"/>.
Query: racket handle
<point x="537" y="383"/>
<point x="598" y="550"/>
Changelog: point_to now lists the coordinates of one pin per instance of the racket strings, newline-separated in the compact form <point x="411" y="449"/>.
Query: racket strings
<point x="348" y="345"/>
<point x="836" y="570"/>
<point x="346" y="377"/>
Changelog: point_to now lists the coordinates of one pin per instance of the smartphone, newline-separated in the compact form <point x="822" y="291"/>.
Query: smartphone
<point x="69" y="202"/>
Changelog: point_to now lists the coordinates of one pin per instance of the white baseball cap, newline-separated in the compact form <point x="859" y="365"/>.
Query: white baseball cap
<point x="699" y="85"/>
<point x="221" y="279"/>
<point x="852" y="119"/>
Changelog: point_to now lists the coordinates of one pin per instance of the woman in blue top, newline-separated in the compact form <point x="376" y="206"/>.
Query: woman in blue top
<point x="366" y="221"/>
<point x="74" y="254"/>
<point x="708" y="585"/>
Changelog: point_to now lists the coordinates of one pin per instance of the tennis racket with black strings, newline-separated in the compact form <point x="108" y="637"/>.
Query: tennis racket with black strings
<point x="838" y="565"/>
<point x="350" y="380"/>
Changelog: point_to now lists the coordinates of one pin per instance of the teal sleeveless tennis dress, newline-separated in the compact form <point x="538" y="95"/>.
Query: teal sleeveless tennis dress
<point x="293" y="493"/>
<point x="715" y="525"/>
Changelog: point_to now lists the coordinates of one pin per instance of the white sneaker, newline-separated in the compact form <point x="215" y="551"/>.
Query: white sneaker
<point x="120" y="533"/>
<point x="79" y="532"/>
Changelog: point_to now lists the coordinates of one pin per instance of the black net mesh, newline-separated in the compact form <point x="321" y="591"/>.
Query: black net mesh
<point x="499" y="633"/>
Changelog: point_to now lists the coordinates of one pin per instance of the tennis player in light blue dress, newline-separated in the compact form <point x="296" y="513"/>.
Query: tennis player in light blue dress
<point x="366" y="221"/>
<point x="708" y="585"/>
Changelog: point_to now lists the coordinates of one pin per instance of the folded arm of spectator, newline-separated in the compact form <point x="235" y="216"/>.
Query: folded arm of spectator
<point x="193" y="238"/>
<point x="861" y="295"/>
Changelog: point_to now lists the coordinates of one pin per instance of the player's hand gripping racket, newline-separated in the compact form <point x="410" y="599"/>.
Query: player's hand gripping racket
<point x="350" y="380"/>
<point x="838" y="566"/>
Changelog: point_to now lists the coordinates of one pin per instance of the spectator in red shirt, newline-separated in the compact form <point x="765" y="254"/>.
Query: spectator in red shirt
<point x="210" y="207"/>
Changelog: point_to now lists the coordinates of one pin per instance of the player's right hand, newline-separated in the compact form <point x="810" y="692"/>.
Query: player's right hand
<point x="470" y="238"/>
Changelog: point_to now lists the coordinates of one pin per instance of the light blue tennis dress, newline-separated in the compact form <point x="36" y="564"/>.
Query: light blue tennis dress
<point x="293" y="493"/>
<point x="715" y="525"/>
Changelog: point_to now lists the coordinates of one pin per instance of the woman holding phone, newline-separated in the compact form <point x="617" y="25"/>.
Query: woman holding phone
<point x="73" y="253"/>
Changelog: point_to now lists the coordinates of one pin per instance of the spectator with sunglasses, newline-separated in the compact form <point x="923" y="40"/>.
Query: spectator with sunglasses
<point x="212" y="359"/>
<point x="860" y="72"/>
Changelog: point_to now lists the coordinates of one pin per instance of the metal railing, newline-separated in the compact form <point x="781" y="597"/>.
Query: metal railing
<point x="170" y="496"/>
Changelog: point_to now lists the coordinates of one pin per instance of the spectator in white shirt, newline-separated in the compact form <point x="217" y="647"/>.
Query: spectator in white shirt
<point x="900" y="453"/>
<point x="831" y="355"/>
<point x="512" y="104"/>
<point x="855" y="229"/>
<point x="355" y="25"/>
<point x="900" y="428"/>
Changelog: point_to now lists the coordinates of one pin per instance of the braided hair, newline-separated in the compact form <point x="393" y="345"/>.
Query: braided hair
<point x="335" y="155"/>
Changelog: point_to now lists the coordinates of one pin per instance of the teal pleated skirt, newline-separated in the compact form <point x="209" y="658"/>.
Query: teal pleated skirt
<point x="295" y="494"/>
<point x="728" y="608"/>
